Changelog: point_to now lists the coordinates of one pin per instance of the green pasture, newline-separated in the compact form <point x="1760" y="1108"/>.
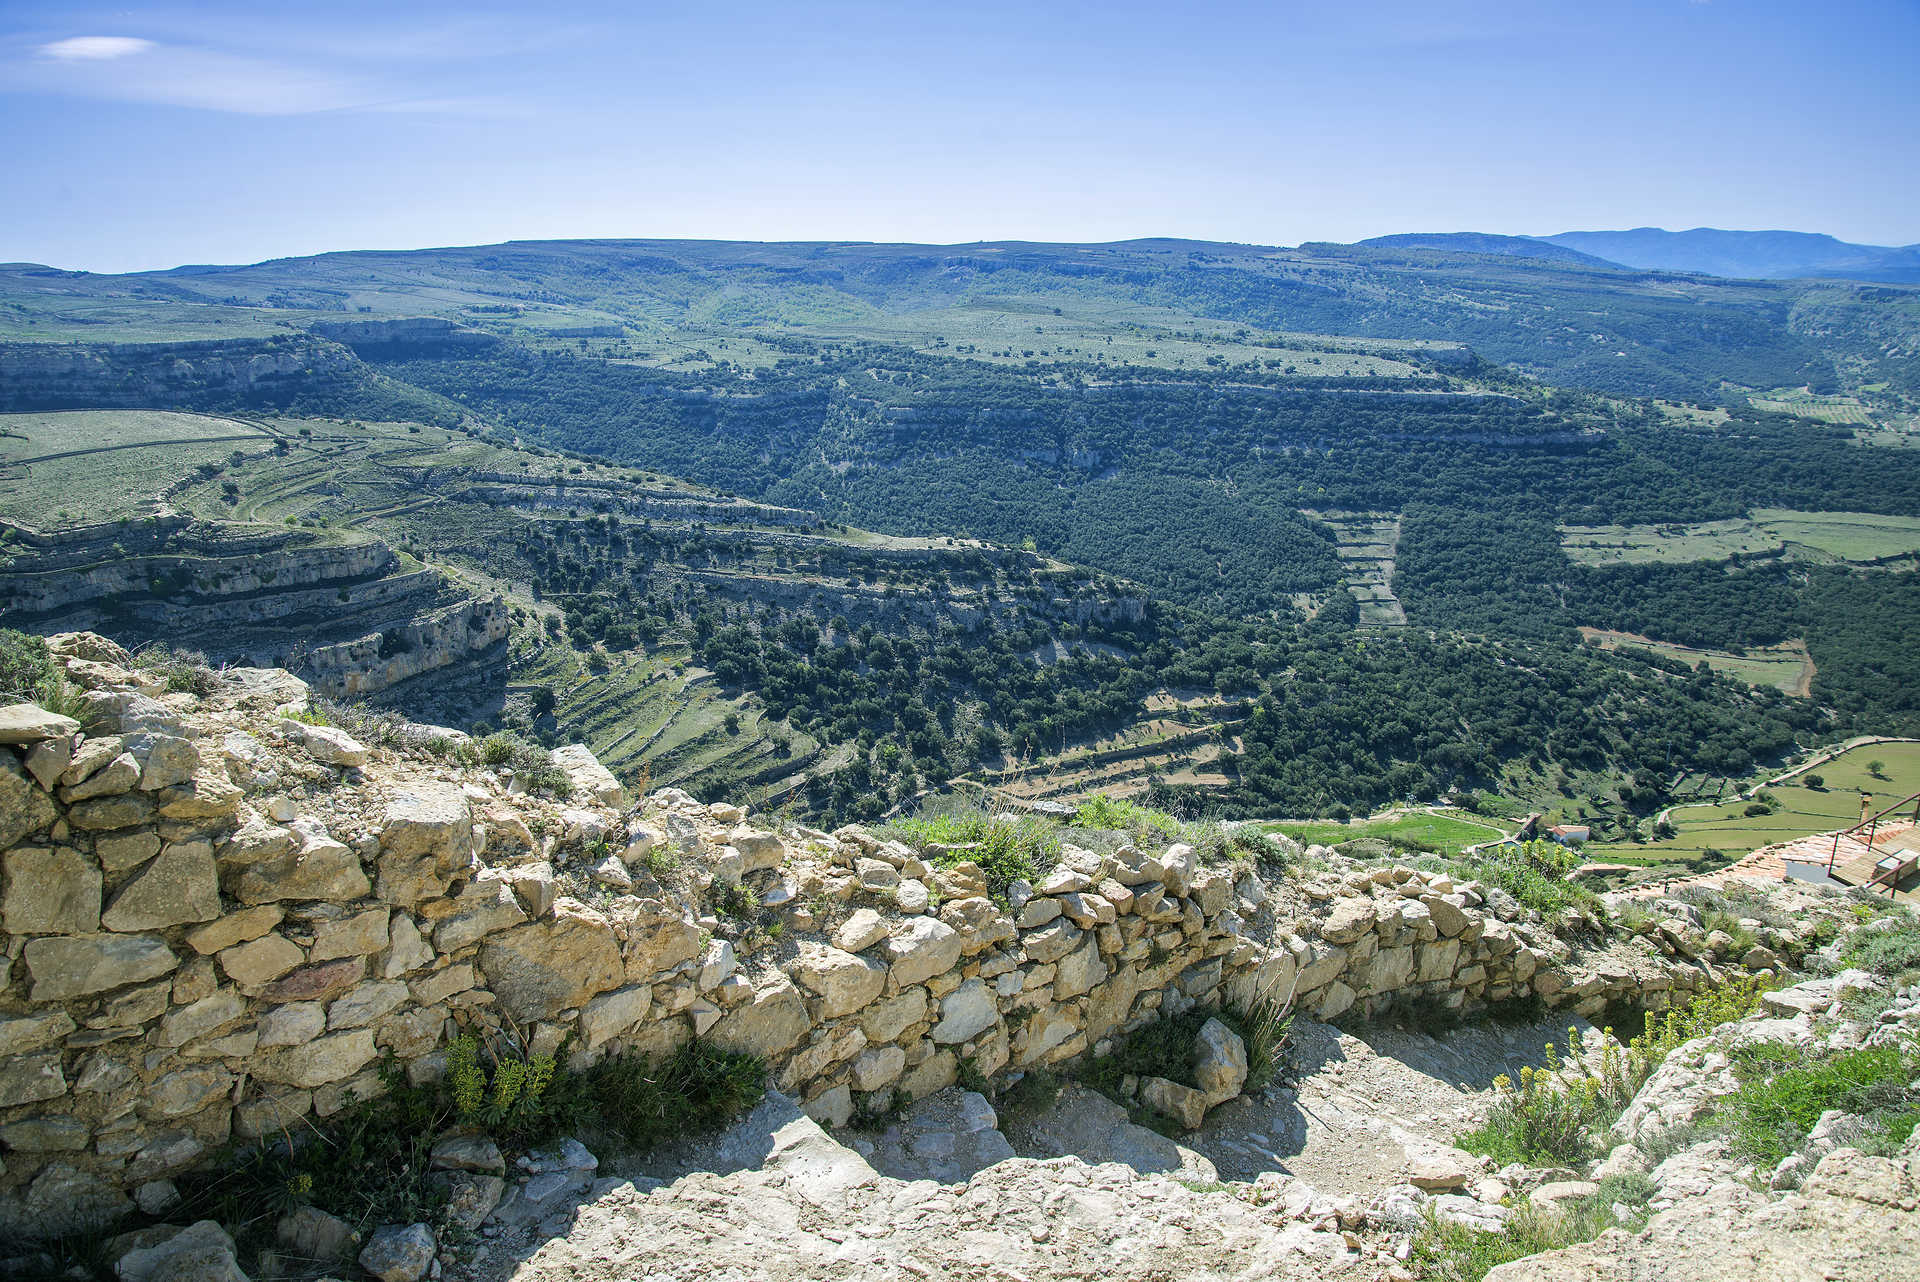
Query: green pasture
<point x="1778" y="666"/>
<point x="1801" y="810"/>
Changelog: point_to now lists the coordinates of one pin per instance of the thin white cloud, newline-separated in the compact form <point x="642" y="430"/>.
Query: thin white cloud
<point x="94" y="48"/>
<point x="211" y="80"/>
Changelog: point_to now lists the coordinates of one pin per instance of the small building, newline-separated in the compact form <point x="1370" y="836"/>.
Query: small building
<point x="1570" y="834"/>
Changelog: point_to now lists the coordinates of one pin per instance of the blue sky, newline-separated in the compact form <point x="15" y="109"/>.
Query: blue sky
<point x="149" y="135"/>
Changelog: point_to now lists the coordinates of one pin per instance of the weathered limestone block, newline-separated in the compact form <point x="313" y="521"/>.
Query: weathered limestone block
<point x="611" y="1014"/>
<point x="316" y="983"/>
<point x="365" y="1004"/>
<point x="178" y="887"/>
<point x="33" y="1032"/>
<point x="486" y="906"/>
<point x="878" y="1067"/>
<point x="966" y="1012"/>
<point x="24" y="723"/>
<point x="1351" y="918"/>
<point x="828" y="1048"/>
<point x="1182" y="1103"/>
<point x="259" y="962"/>
<point x="921" y="948"/>
<point x="186" y="1092"/>
<point x="1079" y="971"/>
<point x="759" y="851"/>
<point x="1050" y="1029"/>
<point x="843" y="981"/>
<point x="28" y="1079"/>
<point x="50" y="891"/>
<point x="1438" y="960"/>
<point x="861" y="931"/>
<point x="321" y="869"/>
<point x="108" y="812"/>
<point x="426" y="840"/>
<point x="885" y="1020"/>
<point x="355" y="935"/>
<point x="118" y="852"/>
<point x="542" y="968"/>
<point x="201" y="1018"/>
<point x="1053" y="941"/>
<point x="165" y="759"/>
<point x="1448" y="918"/>
<point x="771" y="1022"/>
<point x="121" y="774"/>
<point x="980" y="922"/>
<point x="589" y="777"/>
<point x="292" y="1024"/>
<point x="328" y="745"/>
<point x="1219" y="1062"/>
<point x="75" y="966"/>
<point x="407" y="948"/>
<point x="658" y="938"/>
<point x="24" y="807"/>
<point x="331" y="1058"/>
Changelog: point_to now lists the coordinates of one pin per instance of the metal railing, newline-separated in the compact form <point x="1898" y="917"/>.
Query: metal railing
<point x="1872" y="825"/>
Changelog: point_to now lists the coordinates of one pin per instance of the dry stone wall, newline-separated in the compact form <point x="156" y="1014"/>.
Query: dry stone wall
<point x="215" y="921"/>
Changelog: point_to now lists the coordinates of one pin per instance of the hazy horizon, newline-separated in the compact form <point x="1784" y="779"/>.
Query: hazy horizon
<point x="161" y="134"/>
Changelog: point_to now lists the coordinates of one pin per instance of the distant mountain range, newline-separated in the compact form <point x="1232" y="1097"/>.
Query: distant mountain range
<point x="1749" y="255"/>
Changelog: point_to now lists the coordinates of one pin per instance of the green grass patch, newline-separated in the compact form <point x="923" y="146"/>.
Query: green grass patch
<point x="1781" y="1096"/>
<point x="1444" y="1252"/>
<point x="1431" y="833"/>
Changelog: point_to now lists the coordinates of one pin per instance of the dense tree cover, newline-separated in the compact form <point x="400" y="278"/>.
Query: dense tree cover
<point x="1189" y="485"/>
<point x="1863" y="630"/>
<point x="1698" y="603"/>
<point x="1360" y="722"/>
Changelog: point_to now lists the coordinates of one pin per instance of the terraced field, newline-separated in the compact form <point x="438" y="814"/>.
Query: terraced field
<point x="78" y="467"/>
<point x="1367" y="542"/>
<point x="1448" y="832"/>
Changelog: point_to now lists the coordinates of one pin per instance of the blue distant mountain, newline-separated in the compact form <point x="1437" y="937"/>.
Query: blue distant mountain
<point x="1753" y="255"/>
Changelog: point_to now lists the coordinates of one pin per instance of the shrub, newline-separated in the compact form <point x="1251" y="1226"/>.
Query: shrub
<point x="1006" y="849"/>
<point x="26" y="667"/>
<point x="1555" y="1112"/>
<point x="531" y="764"/>
<point x="183" y="670"/>
<point x="1447" y="1252"/>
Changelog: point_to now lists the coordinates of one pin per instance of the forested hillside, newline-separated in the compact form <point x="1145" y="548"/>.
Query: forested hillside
<point x="1136" y="495"/>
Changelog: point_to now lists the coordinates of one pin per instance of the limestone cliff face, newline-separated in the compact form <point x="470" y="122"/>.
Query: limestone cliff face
<point x="217" y="919"/>
<point x="68" y="375"/>
<point x="355" y="669"/>
<point x="368" y="619"/>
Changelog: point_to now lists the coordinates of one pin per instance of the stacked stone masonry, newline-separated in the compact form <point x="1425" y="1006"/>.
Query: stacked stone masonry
<point x="215" y="922"/>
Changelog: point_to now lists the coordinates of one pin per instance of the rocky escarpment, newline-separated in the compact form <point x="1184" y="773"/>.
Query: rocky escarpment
<point x="35" y="376"/>
<point x="216" y="918"/>
<point x="405" y="336"/>
<point x="370" y="620"/>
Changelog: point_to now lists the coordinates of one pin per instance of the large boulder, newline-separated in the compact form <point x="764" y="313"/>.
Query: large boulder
<point x="1219" y="1062"/>
<point x="589" y="777"/>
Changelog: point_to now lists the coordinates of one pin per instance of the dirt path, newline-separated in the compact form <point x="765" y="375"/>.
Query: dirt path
<point x="1364" y="1101"/>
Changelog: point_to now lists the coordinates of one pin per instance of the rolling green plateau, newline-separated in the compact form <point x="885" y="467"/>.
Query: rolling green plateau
<point x="1248" y="531"/>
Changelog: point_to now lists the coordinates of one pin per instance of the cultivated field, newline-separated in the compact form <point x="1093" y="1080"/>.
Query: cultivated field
<point x="1819" y="536"/>
<point x="1802" y="810"/>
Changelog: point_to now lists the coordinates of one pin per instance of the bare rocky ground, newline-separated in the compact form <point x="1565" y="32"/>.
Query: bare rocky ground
<point x="1326" y="1179"/>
